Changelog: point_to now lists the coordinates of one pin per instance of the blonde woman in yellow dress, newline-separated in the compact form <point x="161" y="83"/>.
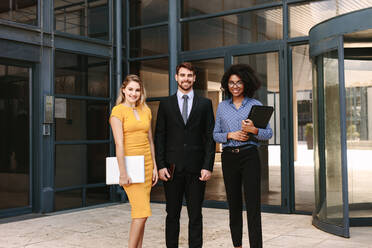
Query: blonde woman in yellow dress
<point x="131" y="125"/>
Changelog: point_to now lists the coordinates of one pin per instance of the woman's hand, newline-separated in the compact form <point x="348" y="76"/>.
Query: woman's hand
<point x="248" y="126"/>
<point x="125" y="180"/>
<point x="238" y="135"/>
<point x="155" y="176"/>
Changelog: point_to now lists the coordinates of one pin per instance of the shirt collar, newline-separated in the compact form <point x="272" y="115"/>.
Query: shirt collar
<point x="245" y="101"/>
<point x="190" y="94"/>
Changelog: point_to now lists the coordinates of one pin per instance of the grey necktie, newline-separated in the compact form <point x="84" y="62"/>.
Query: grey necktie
<point x="184" y="108"/>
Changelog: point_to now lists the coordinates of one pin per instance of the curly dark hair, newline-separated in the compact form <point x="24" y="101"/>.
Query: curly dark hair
<point x="246" y="74"/>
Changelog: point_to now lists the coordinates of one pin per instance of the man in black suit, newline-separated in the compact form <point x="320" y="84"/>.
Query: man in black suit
<point x="184" y="137"/>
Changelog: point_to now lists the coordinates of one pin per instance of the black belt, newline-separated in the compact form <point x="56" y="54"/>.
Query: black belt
<point x="237" y="149"/>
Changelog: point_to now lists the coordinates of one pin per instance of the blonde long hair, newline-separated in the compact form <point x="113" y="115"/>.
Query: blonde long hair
<point x="131" y="78"/>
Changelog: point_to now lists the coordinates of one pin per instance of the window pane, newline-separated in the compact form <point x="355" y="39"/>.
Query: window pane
<point x="80" y="164"/>
<point x="267" y="67"/>
<point x="154" y="74"/>
<point x="358" y="73"/>
<point x="84" y="18"/>
<point x="329" y="201"/>
<point x="22" y="11"/>
<point x="154" y="113"/>
<point x="208" y="77"/>
<point x="303" y="128"/>
<point x="303" y="16"/>
<point x="332" y="117"/>
<point x="147" y="12"/>
<point x="148" y="42"/>
<point x="15" y="140"/>
<point x="81" y="75"/>
<point x="81" y="119"/>
<point x="252" y="26"/>
<point x="67" y="200"/>
<point x="98" y="195"/>
<point x="197" y="7"/>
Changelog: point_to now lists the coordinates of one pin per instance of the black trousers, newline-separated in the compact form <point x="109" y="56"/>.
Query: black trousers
<point x="188" y="185"/>
<point x="243" y="169"/>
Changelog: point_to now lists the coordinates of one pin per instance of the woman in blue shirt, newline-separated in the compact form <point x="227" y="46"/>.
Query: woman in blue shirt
<point x="240" y="159"/>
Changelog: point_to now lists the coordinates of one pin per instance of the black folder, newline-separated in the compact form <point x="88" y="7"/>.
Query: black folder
<point x="260" y="115"/>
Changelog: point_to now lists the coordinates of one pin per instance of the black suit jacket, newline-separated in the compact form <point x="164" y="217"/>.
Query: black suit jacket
<point x="190" y="147"/>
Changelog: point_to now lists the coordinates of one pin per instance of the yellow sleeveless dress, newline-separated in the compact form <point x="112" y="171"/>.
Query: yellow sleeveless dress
<point x="136" y="142"/>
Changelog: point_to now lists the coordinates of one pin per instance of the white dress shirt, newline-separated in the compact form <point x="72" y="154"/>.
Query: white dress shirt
<point x="189" y="101"/>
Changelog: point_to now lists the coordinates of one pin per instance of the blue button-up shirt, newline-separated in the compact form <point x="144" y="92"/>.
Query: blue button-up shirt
<point x="229" y="119"/>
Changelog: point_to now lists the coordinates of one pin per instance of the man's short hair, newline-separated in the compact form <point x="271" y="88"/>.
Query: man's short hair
<point x="186" y="65"/>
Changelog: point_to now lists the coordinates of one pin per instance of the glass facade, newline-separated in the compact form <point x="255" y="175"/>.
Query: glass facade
<point x="79" y="72"/>
<point x="195" y="7"/>
<point x="20" y="11"/>
<point x="154" y="74"/>
<point x="267" y="67"/>
<point x="247" y="27"/>
<point x="82" y="127"/>
<point x="82" y="18"/>
<point x="302" y="100"/>
<point x="148" y="12"/>
<point x="329" y="170"/>
<point x="358" y="70"/>
<point x="303" y="16"/>
<point x="148" y="42"/>
<point x="15" y="137"/>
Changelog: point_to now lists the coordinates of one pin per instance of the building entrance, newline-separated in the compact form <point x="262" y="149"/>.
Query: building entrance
<point x="342" y="56"/>
<point x="15" y="189"/>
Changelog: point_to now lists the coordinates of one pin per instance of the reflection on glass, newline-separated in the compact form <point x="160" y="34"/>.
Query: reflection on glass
<point x="267" y="67"/>
<point x="252" y="26"/>
<point x="14" y="141"/>
<point x="80" y="164"/>
<point x="359" y="134"/>
<point x="208" y="77"/>
<point x="303" y="16"/>
<point x="196" y="7"/>
<point x="148" y="42"/>
<point x="329" y="183"/>
<point x="148" y="11"/>
<point x="83" y="18"/>
<point x="303" y="128"/>
<point x="154" y="74"/>
<point x="318" y="168"/>
<point x="81" y="75"/>
<point x="98" y="195"/>
<point x="67" y="200"/>
<point x="81" y="119"/>
<point x="154" y="105"/>
<point x="21" y="11"/>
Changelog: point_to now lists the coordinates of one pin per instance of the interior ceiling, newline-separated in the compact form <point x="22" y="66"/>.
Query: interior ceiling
<point x="364" y="36"/>
<point x="304" y="16"/>
<point x="5" y="4"/>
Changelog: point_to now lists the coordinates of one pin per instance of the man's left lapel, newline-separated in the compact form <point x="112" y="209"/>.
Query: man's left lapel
<point x="194" y="107"/>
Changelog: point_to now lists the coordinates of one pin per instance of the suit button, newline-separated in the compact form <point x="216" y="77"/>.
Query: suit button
<point x="184" y="145"/>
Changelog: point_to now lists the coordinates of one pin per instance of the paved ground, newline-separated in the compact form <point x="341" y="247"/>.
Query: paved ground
<point x="108" y="226"/>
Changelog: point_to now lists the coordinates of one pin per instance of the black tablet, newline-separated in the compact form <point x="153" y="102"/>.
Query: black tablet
<point x="260" y="115"/>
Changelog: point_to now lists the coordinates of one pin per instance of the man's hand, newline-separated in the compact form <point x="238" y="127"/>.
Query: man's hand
<point x="164" y="174"/>
<point x="205" y="175"/>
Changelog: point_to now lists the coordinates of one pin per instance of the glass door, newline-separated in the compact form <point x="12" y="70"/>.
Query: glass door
<point x="303" y="156"/>
<point x="358" y="87"/>
<point x="331" y="198"/>
<point x="15" y="189"/>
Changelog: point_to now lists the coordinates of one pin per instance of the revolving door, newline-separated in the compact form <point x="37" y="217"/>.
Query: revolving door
<point x="341" y="52"/>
